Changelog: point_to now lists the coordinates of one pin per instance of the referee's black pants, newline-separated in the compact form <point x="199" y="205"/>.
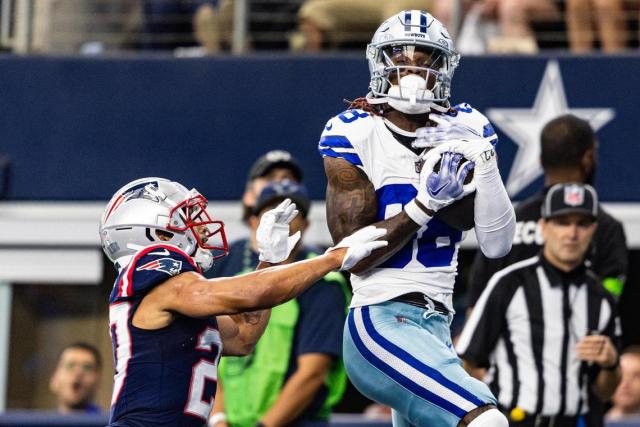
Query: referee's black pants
<point x="541" y="421"/>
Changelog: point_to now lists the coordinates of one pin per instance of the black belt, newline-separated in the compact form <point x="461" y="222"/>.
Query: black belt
<point x="421" y="300"/>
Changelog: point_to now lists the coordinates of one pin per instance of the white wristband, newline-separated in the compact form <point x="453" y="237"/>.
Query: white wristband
<point x="416" y="213"/>
<point x="216" y="418"/>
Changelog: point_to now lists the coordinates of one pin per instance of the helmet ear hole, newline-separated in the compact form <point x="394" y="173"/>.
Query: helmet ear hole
<point x="163" y="235"/>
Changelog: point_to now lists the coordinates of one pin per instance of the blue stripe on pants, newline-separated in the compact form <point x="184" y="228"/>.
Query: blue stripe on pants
<point x="395" y="375"/>
<point x="415" y="363"/>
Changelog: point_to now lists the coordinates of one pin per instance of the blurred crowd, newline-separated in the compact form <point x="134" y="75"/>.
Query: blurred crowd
<point x="206" y="27"/>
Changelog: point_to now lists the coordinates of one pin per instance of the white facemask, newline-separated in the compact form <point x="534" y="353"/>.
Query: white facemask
<point x="411" y="96"/>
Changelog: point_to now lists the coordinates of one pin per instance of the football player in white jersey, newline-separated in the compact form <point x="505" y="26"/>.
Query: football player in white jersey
<point x="380" y="158"/>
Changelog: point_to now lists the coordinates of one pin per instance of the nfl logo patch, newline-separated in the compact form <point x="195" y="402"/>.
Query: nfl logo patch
<point x="573" y="195"/>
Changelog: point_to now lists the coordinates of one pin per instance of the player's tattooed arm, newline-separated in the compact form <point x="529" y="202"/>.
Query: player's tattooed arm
<point x="249" y="327"/>
<point x="351" y="199"/>
<point x="241" y="332"/>
<point x="352" y="204"/>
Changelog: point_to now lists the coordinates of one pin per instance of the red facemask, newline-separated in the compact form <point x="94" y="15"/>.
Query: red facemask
<point x="194" y="213"/>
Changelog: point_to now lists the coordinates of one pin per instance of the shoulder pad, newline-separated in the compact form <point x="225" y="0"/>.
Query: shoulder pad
<point x="344" y="134"/>
<point x="150" y="267"/>
<point x="467" y="115"/>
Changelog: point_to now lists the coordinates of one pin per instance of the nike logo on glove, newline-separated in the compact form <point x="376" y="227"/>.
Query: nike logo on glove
<point x="438" y="190"/>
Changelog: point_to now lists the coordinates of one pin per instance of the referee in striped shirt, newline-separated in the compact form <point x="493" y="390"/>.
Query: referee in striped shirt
<point x="545" y="327"/>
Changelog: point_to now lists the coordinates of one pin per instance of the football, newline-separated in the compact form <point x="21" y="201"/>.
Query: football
<point x="459" y="214"/>
<point x="469" y="176"/>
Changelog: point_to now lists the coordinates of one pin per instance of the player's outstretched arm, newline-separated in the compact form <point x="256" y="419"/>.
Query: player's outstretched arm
<point x="241" y="332"/>
<point x="192" y="295"/>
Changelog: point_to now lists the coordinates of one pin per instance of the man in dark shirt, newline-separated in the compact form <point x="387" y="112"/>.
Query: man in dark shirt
<point x="274" y="165"/>
<point x="568" y="154"/>
<point x="295" y="373"/>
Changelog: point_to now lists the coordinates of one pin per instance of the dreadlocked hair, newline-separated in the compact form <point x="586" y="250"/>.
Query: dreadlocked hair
<point x="362" y="104"/>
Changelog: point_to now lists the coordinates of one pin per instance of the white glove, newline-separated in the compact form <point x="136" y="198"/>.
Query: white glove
<point x="360" y="245"/>
<point x="272" y="236"/>
<point x="447" y="130"/>
<point x="479" y="151"/>
<point x="439" y="189"/>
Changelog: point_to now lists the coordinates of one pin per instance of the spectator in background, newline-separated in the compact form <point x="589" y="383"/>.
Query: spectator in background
<point x="512" y="23"/>
<point x="295" y="373"/>
<point x="276" y="165"/>
<point x="269" y="24"/>
<point x="72" y="26"/>
<point x="168" y="25"/>
<point x="568" y="154"/>
<point x="545" y="326"/>
<point x="207" y="28"/>
<point x="76" y="379"/>
<point x="591" y="20"/>
<point x="333" y="24"/>
<point x="626" y="399"/>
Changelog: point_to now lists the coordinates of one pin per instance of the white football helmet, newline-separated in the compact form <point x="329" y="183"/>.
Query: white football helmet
<point x="151" y="211"/>
<point x="411" y="61"/>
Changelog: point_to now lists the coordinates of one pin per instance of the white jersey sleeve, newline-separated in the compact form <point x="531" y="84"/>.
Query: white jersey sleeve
<point x="493" y="213"/>
<point x="345" y="136"/>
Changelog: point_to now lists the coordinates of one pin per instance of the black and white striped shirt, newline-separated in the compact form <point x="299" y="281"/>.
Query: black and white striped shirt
<point x="524" y="328"/>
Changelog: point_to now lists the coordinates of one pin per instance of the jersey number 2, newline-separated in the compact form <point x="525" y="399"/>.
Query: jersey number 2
<point x="200" y="399"/>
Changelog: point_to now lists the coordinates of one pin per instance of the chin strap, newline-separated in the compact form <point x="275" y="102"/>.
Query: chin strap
<point x="385" y="100"/>
<point x="397" y="130"/>
<point x="439" y="108"/>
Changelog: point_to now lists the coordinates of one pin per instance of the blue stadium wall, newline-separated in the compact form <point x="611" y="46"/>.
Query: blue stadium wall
<point x="77" y="128"/>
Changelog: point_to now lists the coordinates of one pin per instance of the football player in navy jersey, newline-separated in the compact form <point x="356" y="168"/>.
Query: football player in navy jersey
<point x="381" y="159"/>
<point x="169" y="325"/>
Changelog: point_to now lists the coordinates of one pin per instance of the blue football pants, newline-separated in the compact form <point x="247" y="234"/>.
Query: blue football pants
<point x="402" y="356"/>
